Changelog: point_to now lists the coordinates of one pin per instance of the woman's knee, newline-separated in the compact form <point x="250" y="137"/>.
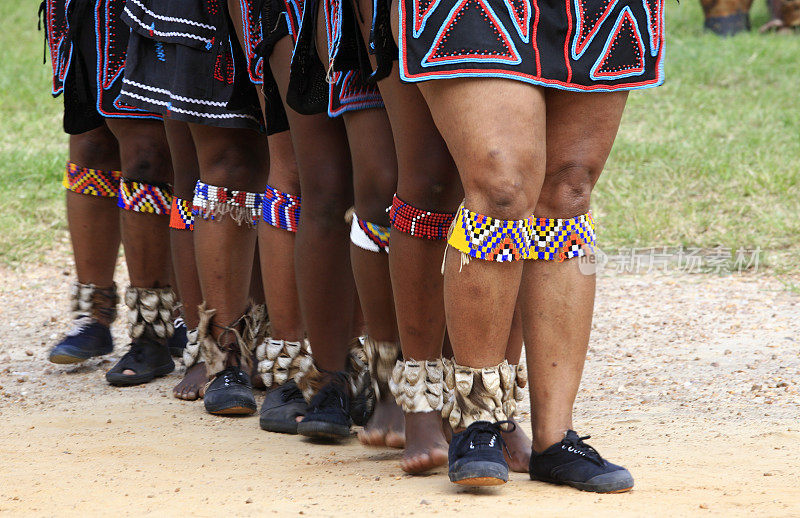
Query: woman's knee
<point x="94" y="147"/>
<point x="430" y="183"/>
<point x="502" y="184"/>
<point x="146" y="159"/>
<point x="327" y="196"/>
<point x="236" y="168"/>
<point x="567" y="190"/>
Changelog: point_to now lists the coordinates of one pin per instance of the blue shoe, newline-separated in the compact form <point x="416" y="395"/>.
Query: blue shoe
<point x="574" y="463"/>
<point x="475" y="456"/>
<point x="230" y="394"/>
<point x="87" y="338"/>
<point x="177" y="342"/>
<point x="328" y="414"/>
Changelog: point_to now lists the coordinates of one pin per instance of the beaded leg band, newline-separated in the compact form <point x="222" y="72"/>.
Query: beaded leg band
<point x="417" y="222"/>
<point x="381" y="359"/>
<point x="561" y="239"/>
<point x="213" y="202"/>
<point x="483" y="394"/>
<point x="245" y="332"/>
<point x="281" y="209"/>
<point x="180" y="215"/>
<point x="94" y="182"/>
<point x="418" y="386"/>
<point x="100" y="304"/>
<point x="280" y="361"/>
<point x="368" y="236"/>
<point x="144" y="197"/>
<point x="150" y="311"/>
<point x="478" y="236"/>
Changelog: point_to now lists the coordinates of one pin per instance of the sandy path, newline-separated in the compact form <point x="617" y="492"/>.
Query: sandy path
<point x="692" y="382"/>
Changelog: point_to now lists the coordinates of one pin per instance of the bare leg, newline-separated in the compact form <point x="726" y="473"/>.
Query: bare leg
<point x="186" y="174"/>
<point x="518" y="445"/>
<point x="277" y="247"/>
<point x="581" y="129"/>
<point x="145" y="157"/>
<point x="94" y="220"/>
<point x="236" y="159"/>
<point x="322" y="257"/>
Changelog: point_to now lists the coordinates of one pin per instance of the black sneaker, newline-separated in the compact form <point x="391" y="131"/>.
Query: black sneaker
<point x="86" y="339"/>
<point x="476" y="455"/>
<point x="230" y="393"/>
<point x="177" y="342"/>
<point x="281" y="407"/>
<point x="574" y="463"/>
<point x="328" y="414"/>
<point x="147" y="357"/>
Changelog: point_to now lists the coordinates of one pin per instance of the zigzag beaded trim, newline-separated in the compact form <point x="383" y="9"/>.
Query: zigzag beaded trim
<point x="417" y="222"/>
<point x="549" y="239"/>
<point x="143" y="197"/>
<point x="281" y="209"/>
<point x="211" y="202"/>
<point x="369" y="236"/>
<point x="180" y="216"/>
<point x="560" y="239"/>
<point x="94" y="182"/>
<point x="483" y="237"/>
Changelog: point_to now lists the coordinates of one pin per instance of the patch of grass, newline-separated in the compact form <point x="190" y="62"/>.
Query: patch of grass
<point x="712" y="158"/>
<point x="33" y="147"/>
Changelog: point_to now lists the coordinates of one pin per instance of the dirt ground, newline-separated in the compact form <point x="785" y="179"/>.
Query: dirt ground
<point x="692" y="383"/>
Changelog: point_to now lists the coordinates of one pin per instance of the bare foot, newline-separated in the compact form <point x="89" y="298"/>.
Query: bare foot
<point x="191" y="386"/>
<point x="426" y="447"/>
<point x="386" y="427"/>
<point x="519" y="447"/>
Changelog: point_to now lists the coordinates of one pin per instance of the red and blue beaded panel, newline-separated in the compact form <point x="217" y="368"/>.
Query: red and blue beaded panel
<point x="584" y="45"/>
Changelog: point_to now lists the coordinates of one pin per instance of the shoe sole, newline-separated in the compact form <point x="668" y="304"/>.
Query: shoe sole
<point x="480" y="474"/>
<point x="278" y="426"/>
<point x="66" y="359"/>
<point x="124" y="380"/>
<point x="609" y="489"/>
<point x="323" y="430"/>
<point x="234" y="410"/>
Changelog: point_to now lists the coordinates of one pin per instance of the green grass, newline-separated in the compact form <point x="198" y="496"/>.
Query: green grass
<point x="712" y="158"/>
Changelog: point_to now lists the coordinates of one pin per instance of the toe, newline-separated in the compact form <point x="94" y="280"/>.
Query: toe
<point x="395" y="439"/>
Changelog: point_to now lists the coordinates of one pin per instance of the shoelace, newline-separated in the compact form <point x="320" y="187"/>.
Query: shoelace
<point x="581" y="448"/>
<point x="178" y="322"/>
<point x="79" y="325"/>
<point x="489" y="434"/>
<point x="231" y="376"/>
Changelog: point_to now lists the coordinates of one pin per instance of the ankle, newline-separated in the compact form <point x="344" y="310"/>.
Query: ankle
<point x="543" y="439"/>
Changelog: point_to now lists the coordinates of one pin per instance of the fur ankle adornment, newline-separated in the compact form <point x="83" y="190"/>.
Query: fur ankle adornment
<point x="191" y="353"/>
<point x="215" y="355"/>
<point x="150" y="309"/>
<point x="514" y="388"/>
<point x="482" y="394"/>
<point x="418" y="386"/>
<point x="309" y="379"/>
<point x="281" y="360"/>
<point x="100" y="304"/>
<point x="381" y="359"/>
